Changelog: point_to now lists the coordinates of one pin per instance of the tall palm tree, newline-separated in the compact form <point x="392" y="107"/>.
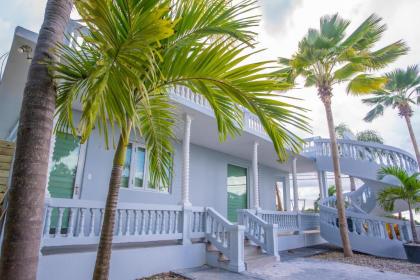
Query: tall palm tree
<point x="24" y="218"/>
<point x="207" y="53"/>
<point x="326" y="57"/>
<point x="402" y="91"/>
<point x="408" y="191"/>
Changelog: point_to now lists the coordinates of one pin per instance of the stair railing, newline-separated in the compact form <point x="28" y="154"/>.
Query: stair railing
<point x="226" y="237"/>
<point x="263" y="234"/>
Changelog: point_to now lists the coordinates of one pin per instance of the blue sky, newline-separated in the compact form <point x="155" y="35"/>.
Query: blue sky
<point x="284" y="23"/>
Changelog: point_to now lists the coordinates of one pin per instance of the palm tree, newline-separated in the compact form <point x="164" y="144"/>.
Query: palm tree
<point x="369" y="135"/>
<point x="401" y="91"/>
<point x="342" y="130"/>
<point x="206" y="53"/>
<point x="408" y="191"/>
<point x="24" y="218"/>
<point x="326" y="57"/>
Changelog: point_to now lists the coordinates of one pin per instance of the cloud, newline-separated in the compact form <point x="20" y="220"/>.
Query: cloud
<point x="277" y="13"/>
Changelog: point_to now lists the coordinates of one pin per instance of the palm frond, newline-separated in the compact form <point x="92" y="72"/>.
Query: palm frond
<point x="364" y="84"/>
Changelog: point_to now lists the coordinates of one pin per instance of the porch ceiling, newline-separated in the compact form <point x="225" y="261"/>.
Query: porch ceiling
<point x="204" y="133"/>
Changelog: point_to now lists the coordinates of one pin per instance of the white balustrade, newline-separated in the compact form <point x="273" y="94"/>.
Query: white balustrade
<point x="77" y="222"/>
<point x="262" y="233"/>
<point x="372" y="152"/>
<point x="227" y="237"/>
<point x="291" y="221"/>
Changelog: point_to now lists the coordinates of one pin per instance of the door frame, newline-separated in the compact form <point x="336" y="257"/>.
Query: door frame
<point x="248" y="181"/>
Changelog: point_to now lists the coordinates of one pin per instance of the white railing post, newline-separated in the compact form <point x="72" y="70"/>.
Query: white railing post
<point x="186" y="225"/>
<point x="236" y="249"/>
<point x="272" y="240"/>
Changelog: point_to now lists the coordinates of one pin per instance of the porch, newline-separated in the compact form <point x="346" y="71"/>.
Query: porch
<point x="164" y="236"/>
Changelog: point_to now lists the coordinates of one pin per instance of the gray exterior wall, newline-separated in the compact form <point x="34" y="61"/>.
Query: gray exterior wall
<point x="208" y="178"/>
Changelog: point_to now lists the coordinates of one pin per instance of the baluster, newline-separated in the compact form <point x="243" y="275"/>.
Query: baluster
<point x="119" y="228"/>
<point x="101" y="222"/>
<point x="70" y="229"/>
<point x="60" y="221"/>
<point x="92" y="222"/>
<point x="82" y="222"/>
<point x="149" y="223"/>
<point x="176" y="221"/>
<point x="136" y="222"/>
<point x="162" y="224"/>
<point x="48" y="221"/>
<point x="142" y="222"/>
<point x="128" y="222"/>
<point x="156" y="222"/>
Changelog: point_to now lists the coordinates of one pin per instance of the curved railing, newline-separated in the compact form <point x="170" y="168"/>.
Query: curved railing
<point x="369" y="234"/>
<point x="380" y="154"/>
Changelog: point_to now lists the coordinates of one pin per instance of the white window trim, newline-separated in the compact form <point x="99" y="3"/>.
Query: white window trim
<point x="145" y="187"/>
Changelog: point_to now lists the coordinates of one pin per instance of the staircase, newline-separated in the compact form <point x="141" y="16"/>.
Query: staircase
<point x="369" y="233"/>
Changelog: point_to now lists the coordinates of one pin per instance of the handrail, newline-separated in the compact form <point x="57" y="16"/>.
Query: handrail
<point x="259" y="231"/>
<point x="291" y="221"/>
<point x="383" y="155"/>
<point x="227" y="237"/>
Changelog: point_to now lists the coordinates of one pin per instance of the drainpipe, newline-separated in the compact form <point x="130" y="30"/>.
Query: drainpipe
<point x="255" y="175"/>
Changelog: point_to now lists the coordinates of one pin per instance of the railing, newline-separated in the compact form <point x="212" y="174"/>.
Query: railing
<point x="369" y="234"/>
<point x="380" y="154"/>
<point x="290" y="221"/>
<point x="227" y="238"/>
<point x="77" y="222"/>
<point x="184" y="94"/>
<point x="259" y="231"/>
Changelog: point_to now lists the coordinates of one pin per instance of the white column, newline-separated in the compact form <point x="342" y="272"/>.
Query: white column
<point x="295" y="186"/>
<point x="321" y="185"/>
<point x="324" y="183"/>
<point x="286" y="194"/>
<point x="255" y="175"/>
<point x="185" y="181"/>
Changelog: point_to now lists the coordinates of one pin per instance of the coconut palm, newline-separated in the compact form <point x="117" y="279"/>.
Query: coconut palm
<point x="402" y="92"/>
<point x="207" y="53"/>
<point x="327" y="57"/>
<point x="408" y="191"/>
<point x="24" y="217"/>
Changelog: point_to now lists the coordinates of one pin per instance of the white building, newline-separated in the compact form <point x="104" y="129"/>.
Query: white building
<point x="167" y="227"/>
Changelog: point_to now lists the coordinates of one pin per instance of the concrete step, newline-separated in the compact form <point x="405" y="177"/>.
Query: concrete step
<point x="255" y="258"/>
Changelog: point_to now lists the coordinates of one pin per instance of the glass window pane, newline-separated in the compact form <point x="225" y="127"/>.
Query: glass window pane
<point x="125" y="177"/>
<point x="139" y="172"/>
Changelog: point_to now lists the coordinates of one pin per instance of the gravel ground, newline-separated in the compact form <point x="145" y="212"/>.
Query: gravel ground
<point x="165" y="276"/>
<point x="381" y="264"/>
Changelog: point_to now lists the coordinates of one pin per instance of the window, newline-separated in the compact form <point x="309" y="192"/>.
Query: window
<point x="134" y="175"/>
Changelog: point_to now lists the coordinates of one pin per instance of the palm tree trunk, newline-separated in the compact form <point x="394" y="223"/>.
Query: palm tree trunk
<point x="24" y="218"/>
<point x="412" y="224"/>
<point x="103" y="256"/>
<point x="337" y="176"/>
<point x="279" y="204"/>
<point x="413" y="139"/>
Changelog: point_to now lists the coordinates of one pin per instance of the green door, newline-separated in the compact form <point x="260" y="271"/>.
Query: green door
<point x="63" y="173"/>
<point x="236" y="190"/>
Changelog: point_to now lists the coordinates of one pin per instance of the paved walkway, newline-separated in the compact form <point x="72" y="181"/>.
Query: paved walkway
<point x="299" y="269"/>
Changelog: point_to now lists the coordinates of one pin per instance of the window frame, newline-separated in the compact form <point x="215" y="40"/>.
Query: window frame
<point x="132" y="171"/>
